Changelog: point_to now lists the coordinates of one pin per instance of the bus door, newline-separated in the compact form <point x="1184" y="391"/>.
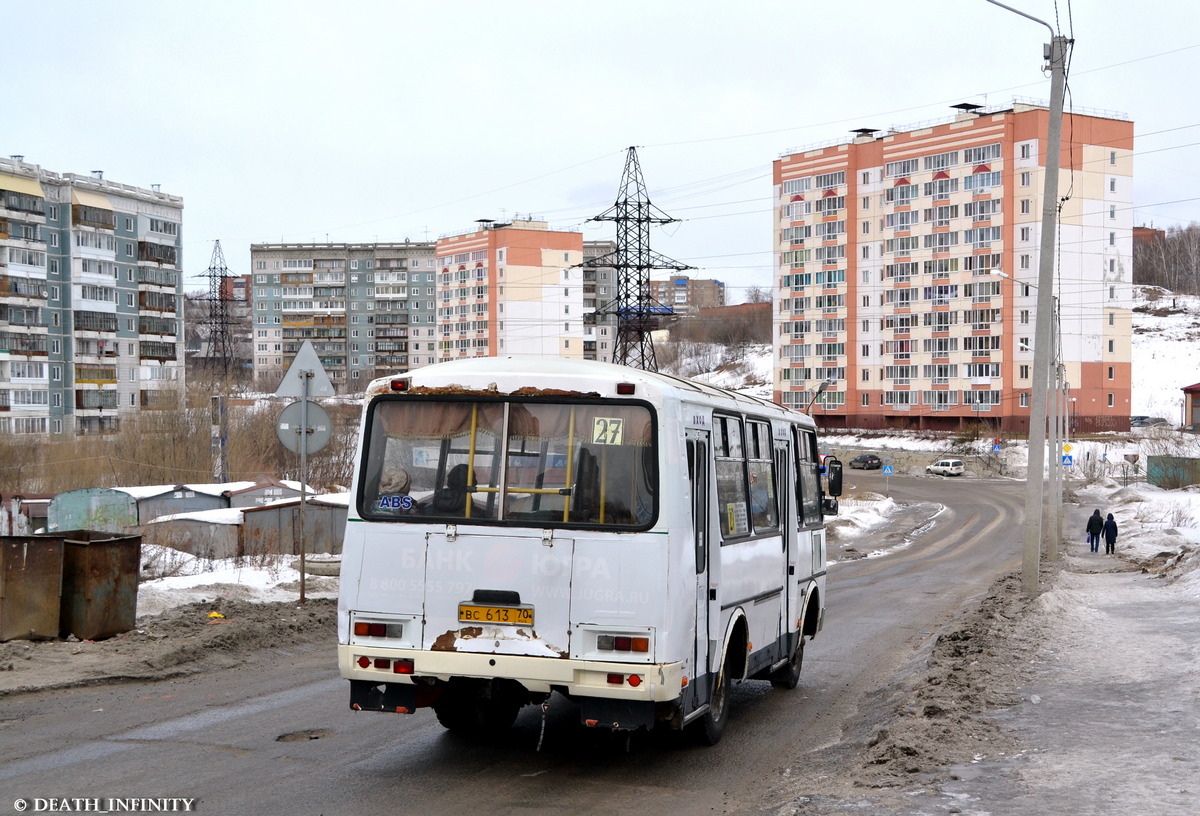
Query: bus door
<point x="708" y="613"/>
<point x="788" y="522"/>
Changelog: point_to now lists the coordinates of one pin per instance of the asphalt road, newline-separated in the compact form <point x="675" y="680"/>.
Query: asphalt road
<point x="276" y="736"/>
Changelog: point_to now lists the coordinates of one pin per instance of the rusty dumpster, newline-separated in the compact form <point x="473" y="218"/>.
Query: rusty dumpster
<point x="100" y="583"/>
<point x="31" y="570"/>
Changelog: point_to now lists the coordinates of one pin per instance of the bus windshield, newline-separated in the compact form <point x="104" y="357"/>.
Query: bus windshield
<point x="515" y="462"/>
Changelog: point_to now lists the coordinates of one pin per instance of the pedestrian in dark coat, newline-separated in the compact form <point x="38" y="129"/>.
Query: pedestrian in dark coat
<point x="1095" y="526"/>
<point x="1110" y="536"/>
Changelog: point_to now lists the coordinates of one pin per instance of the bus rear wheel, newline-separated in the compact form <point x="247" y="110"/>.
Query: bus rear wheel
<point x="712" y="724"/>
<point x="787" y="676"/>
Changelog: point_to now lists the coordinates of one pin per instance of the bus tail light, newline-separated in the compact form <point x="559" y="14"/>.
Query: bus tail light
<point x="622" y="643"/>
<point x="625" y="389"/>
<point x="615" y="679"/>
<point x="378" y="629"/>
<point x="399" y="383"/>
<point x="403" y="666"/>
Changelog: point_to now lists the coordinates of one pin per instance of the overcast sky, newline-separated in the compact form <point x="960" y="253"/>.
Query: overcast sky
<point x="363" y="121"/>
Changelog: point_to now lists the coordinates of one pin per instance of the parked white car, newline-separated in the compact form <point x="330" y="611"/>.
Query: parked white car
<point x="946" y="467"/>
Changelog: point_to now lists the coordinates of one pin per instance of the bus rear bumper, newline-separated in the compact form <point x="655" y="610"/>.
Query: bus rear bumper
<point x="630" y="682"/>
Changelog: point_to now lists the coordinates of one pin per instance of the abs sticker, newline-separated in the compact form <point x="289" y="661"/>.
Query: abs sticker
<point x="395" y="503"/>
<point x="607" y="430"/>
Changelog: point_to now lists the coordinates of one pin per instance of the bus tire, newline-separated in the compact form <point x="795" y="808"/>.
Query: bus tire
<point x="787" y="676"/>
<point x="467" y="712"/>
<point x="712" y="724"/>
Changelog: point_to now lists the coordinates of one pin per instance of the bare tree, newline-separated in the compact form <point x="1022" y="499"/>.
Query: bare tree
<point x="1170" y="260"/>
<point x="757" y="294"/>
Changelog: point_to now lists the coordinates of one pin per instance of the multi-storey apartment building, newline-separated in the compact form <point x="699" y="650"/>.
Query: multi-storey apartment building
<point x="687" y="296"/>
<point x="90" y="301"/>
<point x="372" y="310"/>
<point x="510" y="288"/>
<point x="908" y="267"/>
<point x="599" y="293"/>
<point x="369" y="309"/>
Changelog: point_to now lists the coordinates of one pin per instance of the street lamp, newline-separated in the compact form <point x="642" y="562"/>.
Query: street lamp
<point x="821" y="389"/>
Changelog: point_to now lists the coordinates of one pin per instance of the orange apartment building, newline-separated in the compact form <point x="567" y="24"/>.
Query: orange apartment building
<point x="907" y="264"/>
<point x="510" y="288"/>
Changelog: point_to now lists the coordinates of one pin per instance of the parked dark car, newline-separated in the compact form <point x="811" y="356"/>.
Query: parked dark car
<point x="1148" y="422"/>
<point x="866" y="461"/>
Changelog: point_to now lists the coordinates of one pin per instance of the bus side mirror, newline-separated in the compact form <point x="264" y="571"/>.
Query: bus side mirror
<point x="834" y="468"/>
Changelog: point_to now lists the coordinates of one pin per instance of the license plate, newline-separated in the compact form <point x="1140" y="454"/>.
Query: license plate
<point x="473" y="613"/>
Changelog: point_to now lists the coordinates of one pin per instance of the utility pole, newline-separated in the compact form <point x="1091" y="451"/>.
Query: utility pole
<point x="638" y="314"/>
<point x="1056" y="54"/>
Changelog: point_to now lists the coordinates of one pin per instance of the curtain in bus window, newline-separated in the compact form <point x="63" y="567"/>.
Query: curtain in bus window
<point x="431" y="460"/>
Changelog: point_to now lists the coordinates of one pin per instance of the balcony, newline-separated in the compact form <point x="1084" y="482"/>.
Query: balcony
<point x="157" y="253"/>
<point x="95" y="399"/>
<point x="150" y="350"/>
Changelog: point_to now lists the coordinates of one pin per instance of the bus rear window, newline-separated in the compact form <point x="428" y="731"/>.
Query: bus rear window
<point x="523" y="463"/>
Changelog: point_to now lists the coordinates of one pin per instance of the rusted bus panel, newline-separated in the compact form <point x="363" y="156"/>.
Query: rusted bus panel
<point x="31" y="570"/>
<point x="99" y="584"/>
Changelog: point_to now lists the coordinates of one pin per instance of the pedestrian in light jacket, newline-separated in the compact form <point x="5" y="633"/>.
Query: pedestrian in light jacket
<point x="1095" y="526"/>
<point x="1110" y="535"/>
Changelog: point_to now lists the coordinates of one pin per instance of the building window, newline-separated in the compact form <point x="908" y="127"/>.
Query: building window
<point x="1111" y="401"/>
<point x="1112" y="372"/>
<point x="1112" y="346"/>
<point x="1112" y="159"/>
<point x="1112" y="211"/>
<point x="1024" y="370"/>
<point x="1025" y="179"/>
<point x="1112" y="292"/>
<point x="866" y="227"/>
<point x="866" y="300"/>
<point x="866" y="351"/>
<point x="866" y="252"/>
<point x="1023" y="344"/>
<point x="1026" y="151"/>
<point x="1026" y="206"/>
<point x="1024" y="261"/>
<point x="866" y="177"/>
<point x="53" y="211"/>
<point x="866" y="375"/>
<point x="1024" y="400"/>
<point x="1112" y="239"/>
<point x="1025" y="317"/>
<point x="1112" y="185"/>
<point x="1111" y="319"/>
<point x="54" y="239"/>
<point x="1025" y="233"/>
<point x="866" y="203"/>
<point x="866" y="400"/>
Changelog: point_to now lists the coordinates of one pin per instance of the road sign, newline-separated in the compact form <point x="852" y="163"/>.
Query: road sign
<point x="288" y="427"/>
<point x="887" y="470"/>
<point x="887" y="460"/>
<point x="1067" y="461"/>
<point x="995" y="448"/>
<point x="308" y="362"/>
<point x="1067" y="447"/>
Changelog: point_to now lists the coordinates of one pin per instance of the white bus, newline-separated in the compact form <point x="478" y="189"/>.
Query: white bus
<point x="632" y="540"/>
